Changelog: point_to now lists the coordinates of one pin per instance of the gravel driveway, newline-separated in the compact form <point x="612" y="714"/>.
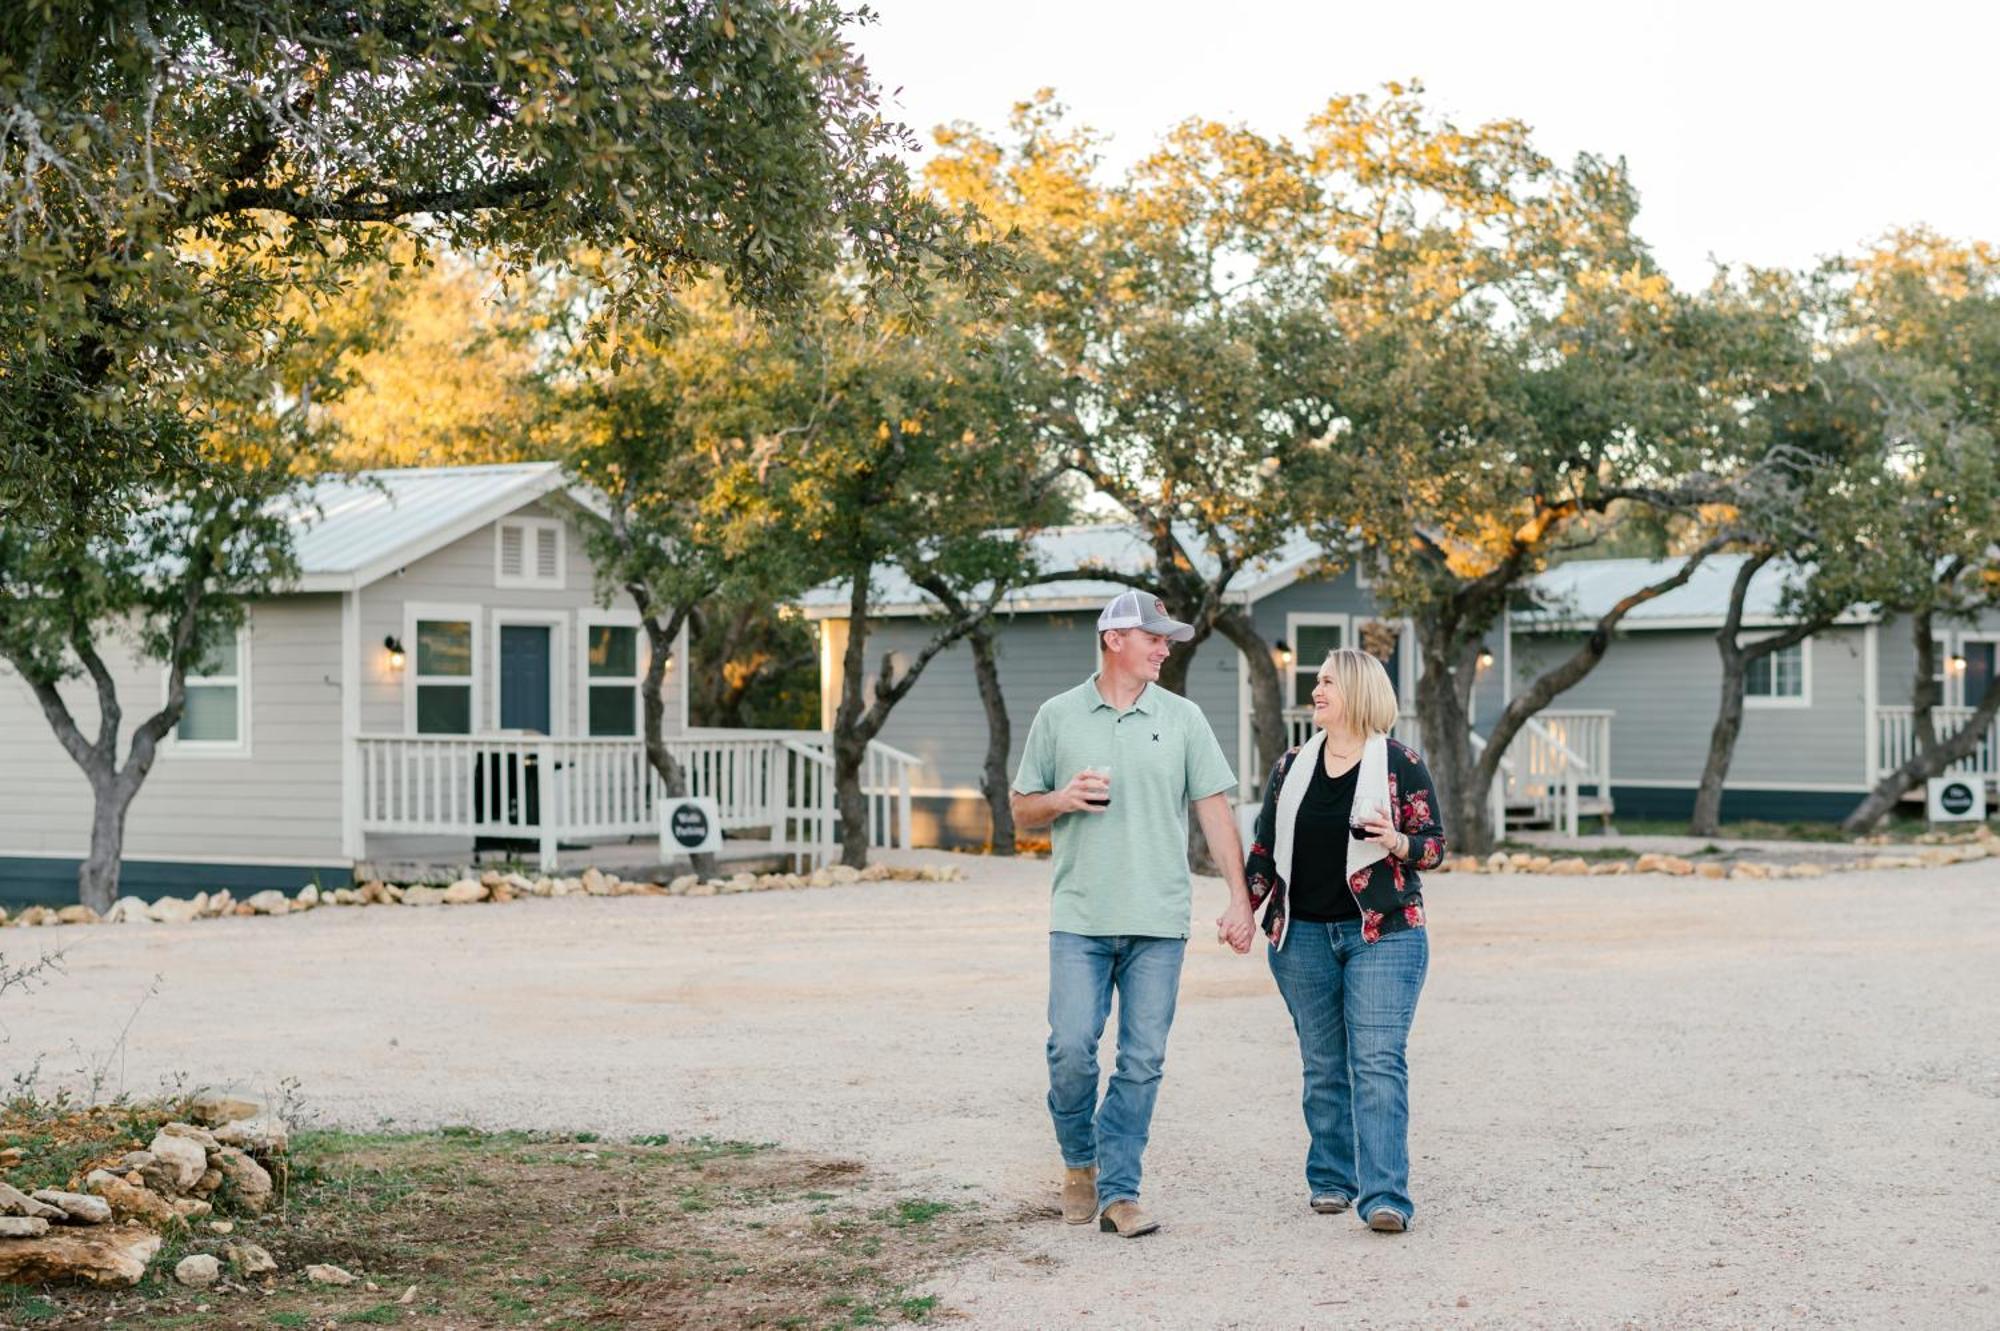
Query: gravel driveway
<point x="1641" y="1101"/>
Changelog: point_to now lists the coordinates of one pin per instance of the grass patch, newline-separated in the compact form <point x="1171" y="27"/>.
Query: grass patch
<point x="506" y="1229"/>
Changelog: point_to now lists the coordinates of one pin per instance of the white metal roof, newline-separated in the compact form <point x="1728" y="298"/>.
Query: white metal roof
<point x="1577" y="594"/>
<point x="354" y="529"/>
<point x="1117" y="546"/>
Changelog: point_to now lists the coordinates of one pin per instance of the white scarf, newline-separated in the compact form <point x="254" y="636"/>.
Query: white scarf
<point x="1371" y="790"/>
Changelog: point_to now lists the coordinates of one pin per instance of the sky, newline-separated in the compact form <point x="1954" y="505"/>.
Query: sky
<point x="1766" y="133"/>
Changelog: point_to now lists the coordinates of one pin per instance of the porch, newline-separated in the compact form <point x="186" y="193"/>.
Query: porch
<point x="1893" y="741"/>
<point x="773" y="791"/>
<point x="1557" y="771"/>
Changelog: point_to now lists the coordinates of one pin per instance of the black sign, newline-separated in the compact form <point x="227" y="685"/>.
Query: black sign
<point x="1956" y="798"/>
<point x="690" y="825"/>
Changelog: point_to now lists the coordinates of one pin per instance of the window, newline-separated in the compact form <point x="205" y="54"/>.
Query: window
<point x="528" y="553"/>
<point x="1778" y="678"/>
<point x="215" y="715"/>
<point x="443" y="676"/>
<point x="611" y="678"/>
<point x="1312" y="637"/>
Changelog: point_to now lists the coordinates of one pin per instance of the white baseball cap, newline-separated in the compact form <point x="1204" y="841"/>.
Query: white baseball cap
<point x="1137" y="610"/>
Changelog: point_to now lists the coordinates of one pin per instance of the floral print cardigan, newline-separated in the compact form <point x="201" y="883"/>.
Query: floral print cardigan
<point x="1388" y="892"/>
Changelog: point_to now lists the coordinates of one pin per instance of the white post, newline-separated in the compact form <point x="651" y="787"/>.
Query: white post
<point x="903" y="808"/>
<point x="352" y="843"/>
<point x="547" y="816"/>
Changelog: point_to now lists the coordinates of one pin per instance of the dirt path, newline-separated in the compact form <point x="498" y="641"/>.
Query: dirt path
<point x="1638" y="1102"/>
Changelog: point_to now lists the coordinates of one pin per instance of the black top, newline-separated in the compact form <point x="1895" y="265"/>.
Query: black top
<point x="1319" y="848"/>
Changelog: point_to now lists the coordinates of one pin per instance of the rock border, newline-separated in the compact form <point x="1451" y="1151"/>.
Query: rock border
<point x="490" y="887"/>
<point x="1926" y="855"/>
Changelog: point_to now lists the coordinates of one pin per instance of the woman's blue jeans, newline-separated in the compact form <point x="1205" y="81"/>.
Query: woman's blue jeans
<point x="1352" y="1004"/>
<point x="1084" y="971"/>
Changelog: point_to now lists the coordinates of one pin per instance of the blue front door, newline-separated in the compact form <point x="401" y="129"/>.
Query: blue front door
<point x="524" y="677"/>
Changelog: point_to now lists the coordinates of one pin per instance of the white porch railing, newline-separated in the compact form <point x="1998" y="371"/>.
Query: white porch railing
<point x="546" y="789"/>
<point x="1896" y="741"/>
<point x="1552" y="761"/>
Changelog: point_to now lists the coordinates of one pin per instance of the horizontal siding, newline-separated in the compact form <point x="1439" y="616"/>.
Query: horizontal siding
<point x="943" y="722"/>
<point x="281" y="800"/>
<point x="463" y="574"/>
<point x="1665" y="687"/>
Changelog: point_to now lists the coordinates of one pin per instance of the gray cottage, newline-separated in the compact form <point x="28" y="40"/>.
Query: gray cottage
<point x="1824" y="720"/>
<point x="445" y="676"/>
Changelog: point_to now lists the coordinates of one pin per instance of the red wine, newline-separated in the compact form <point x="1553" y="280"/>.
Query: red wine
<point x="1104" y="803"/>
<point x="1359" y="833"/>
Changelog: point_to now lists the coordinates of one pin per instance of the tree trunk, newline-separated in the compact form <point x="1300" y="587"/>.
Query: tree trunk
<point x="1267" y="705"/>
<point x="1933" y="756"/>
<point x="851" y="732"/>
<point x="1444" y="714"/>
<point x="999" y="739"/>
<point x="660" y="643"/>
<point x="1707" y="820"/>
<point x="97" y="877"/>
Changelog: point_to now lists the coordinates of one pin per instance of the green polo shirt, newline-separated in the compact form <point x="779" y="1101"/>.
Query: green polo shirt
<point x="1124" y="871"/>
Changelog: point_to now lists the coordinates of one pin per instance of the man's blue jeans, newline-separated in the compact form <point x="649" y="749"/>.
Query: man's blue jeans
<point x="1352" y="1004"/>
<point x="1083" y="973"/>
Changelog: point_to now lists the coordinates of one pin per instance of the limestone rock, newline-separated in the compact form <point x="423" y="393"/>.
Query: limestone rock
<point x="307" y="897"/>
<point x="247" y="1260"/>
<point x="211" y="1179"/>
<point x="1498" y="862"/>
<point x="544" y="887"/>
<point x="1610" y="868"/>
<point x="844" y="873"/>
<point x="199" y="1271"/>
<point x="490" y="879"/>
<point x="374" y="894"/>
<point x="107" y="1256"/>
<point x="464" y="892"/>
<point x="423" y="896"/>
<point x="185" y="1159"/>
<point x="249" y="1182"/>
<point x="269" y="902"/>
<point x="679" y="886"/>
<point x="1651" y="862"/>
<point x="595" y="882"/>
<point x="173" y="910"/>
<point x="345" y="896"/>
<point x="259" y="1136"/>
<point x="1805" y="870"/>
<point x="77" y="1208"/>
<point x="35" y="915"/>
<point x="1712" y="870"/>
<point x="14" y="1202"/>
<point x="129" y="1202"/>
<point x="128" y="910"/>
<point x="328" y="1275"/>
<point x="192" y="1208"/>
<point x="22" y="1226"/>
<point x="76" y="915"/>
<point x="199" y="1136"/>
<point x="1749" y="870"/>
<point x="214" y="1106"/>
<point x="1574" y="867"/>
<point x="705" y="889"/>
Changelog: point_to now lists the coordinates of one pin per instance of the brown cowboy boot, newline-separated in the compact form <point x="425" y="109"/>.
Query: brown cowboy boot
<point x="1126" y="1220"/>
<point x="1079" y="1194"/>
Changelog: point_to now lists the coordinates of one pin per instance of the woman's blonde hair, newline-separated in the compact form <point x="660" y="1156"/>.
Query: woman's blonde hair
<point x="1366" y="695"/>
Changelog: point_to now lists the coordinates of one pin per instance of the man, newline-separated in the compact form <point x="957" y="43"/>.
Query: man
<point x="1118" y="917"/>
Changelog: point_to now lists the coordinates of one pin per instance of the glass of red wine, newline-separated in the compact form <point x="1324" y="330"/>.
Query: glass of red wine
<point x="1357" y="824"/>
<point x="1105" y="772"/>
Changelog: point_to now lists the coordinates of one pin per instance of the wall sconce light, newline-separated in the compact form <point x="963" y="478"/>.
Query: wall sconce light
<point x="670" y="659"/>
<point x="1485" y="658"/>
<point x="1955" y="663"/>
<point x="1284" y="650"/>
<point x="394" y="646"/>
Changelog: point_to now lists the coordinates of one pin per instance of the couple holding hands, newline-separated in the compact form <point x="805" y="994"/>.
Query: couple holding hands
<point x="1348" y="821"/>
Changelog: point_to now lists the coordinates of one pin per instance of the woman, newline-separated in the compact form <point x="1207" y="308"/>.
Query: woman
<point x="1346" y="924"/>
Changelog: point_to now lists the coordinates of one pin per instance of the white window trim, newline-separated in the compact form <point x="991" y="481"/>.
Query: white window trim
<point x="587" y="620"/>
<point x="1298" y="619"/>
<point x="1751" y="700"/>
<point x="1955" y="681"/>
<point x="216" y="748"/>
<point x="557" y="623"/>
<point x="419" y="610"/>
<point x="528" y="528"/>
